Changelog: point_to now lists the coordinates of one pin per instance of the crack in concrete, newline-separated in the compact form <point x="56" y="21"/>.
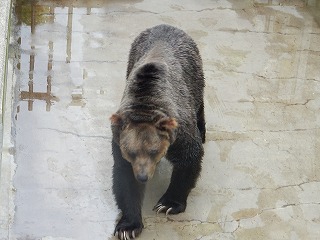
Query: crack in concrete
<point x="90" y="61"/>
<point x="267" y="78"/>
<point x="288" y="130"/>
<point x="276" y="102"/>
<point x="249" y="188"/>
<point x="234" y="231"/>
<point x="265" y="131"/>
<point x="298" y="185"/>
<point x="198" y="221"/>
<point x="283" y="130"/>
<point x="308" y="50"/>
<point x="169" y="219"/>
<point x="285" y="206"/>
<point x="312" y="79"/>
<point x="251" y="31"/>
<point x="173" y="11"/>
<point x="276" y="188"/>
<point x="76" y="134"/>
<point x="100" y="14"/>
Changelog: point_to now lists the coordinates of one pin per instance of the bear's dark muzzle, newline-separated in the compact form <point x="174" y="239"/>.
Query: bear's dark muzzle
<point x="143" y="178"/>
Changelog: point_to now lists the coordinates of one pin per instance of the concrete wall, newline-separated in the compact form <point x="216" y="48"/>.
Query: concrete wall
<point x="5" y="6"/>
<point x="6" y="162"/>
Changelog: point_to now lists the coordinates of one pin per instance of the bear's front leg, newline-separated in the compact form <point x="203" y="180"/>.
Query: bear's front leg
<point x="174" y="201"/>
<point x="186" y="156"/>
<point x="128" y="193"/>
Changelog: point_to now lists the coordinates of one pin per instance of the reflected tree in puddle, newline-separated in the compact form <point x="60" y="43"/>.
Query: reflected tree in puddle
<point x="31" y="15"/>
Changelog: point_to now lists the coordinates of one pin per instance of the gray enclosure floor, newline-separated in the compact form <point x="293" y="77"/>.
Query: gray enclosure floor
<point x="261" y="170"/>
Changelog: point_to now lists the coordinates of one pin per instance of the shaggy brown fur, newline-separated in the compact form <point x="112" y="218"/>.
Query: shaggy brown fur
<point x="161" y="115"/>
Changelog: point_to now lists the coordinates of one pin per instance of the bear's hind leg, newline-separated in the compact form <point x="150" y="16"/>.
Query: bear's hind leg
<point x="128" y="193"/>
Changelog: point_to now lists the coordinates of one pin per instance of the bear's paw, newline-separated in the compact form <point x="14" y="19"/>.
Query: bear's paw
<point x="167" y="206"/>
<point x="127" y="229"/>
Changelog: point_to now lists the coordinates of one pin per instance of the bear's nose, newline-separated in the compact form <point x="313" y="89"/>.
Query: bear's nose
<point x="142" y="178"/>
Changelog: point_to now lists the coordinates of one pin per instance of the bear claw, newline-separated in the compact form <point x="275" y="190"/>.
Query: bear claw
<point x="168" y="211"/>
<point x="126" y="230"/>
<point x="156" y="206"/>
<point x="169" y="206"/>
<point x="125" y="235"/>
<point x="161" y="208"/>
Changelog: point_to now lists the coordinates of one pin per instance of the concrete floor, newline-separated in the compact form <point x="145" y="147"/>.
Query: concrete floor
<point x="261" y="170"/>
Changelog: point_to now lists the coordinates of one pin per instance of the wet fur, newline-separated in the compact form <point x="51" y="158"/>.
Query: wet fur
<point x="164" y="90"/>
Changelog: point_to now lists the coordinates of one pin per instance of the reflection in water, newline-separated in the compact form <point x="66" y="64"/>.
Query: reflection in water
<point x="30" y="95"/>
<point x="29" y="15"/>
<point x="69" y="34"/>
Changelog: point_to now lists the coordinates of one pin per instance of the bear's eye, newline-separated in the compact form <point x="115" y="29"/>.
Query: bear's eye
<point x="132" y="155"/>
<point x="153" y="153"/>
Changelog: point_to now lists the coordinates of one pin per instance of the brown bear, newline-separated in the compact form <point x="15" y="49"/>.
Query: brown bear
<point x="161" y="115"/>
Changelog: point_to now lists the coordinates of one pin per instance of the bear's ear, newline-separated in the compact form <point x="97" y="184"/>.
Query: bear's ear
<point x="167" y="124"/>
<point x="167" y="127"/>
<point x="150" y="70"/>
<point x="116" y="120"/>
<point x="116" y="126"/>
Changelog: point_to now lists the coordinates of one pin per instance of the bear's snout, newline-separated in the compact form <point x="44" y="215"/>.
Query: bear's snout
<point x="143" y="170"/>
<point x="142" y="177"/>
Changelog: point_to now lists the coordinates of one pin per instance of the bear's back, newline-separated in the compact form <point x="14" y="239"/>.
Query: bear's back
<point x="182" y="51"/>
<point x="182" y="45"/>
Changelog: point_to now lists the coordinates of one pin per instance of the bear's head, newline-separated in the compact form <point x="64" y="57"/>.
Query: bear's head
<point x="143" y="144"/>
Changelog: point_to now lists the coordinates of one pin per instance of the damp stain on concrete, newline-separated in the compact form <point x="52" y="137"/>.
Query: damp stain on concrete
<point x="261" y="173"/>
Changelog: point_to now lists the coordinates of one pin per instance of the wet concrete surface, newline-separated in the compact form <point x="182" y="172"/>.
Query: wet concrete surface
<point x="261" y="170"/>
